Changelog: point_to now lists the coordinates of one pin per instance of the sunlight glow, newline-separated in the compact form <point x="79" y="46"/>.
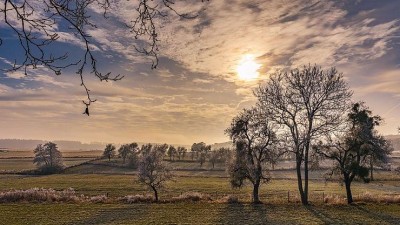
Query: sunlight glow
<point x="248" y="68"/>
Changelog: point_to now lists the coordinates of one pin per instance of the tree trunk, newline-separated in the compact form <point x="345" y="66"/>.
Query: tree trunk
<point x="372" y="169"/>
<point x="305" y="202"/>
<point x="348" y="189"/>
<point x="155" y="193"/>
<point x="213" y="163"/>
<point x="109" y="158"/>
<point x="123" y="160"/>
<point x="256" y="188"/>
<point x="300" y="181"/>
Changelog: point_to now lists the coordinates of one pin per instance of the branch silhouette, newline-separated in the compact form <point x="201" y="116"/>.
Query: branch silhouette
<point x="35" y="30"/>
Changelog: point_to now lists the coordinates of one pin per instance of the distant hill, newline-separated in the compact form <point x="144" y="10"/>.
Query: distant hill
<point x="20" y="144"/>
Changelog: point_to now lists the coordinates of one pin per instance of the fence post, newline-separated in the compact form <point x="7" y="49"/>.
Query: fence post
<point x="288" y="196"/>
<point x="323" y="197"/>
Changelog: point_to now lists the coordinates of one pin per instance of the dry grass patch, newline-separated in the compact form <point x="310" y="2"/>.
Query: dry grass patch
<point x="130" y="199"/>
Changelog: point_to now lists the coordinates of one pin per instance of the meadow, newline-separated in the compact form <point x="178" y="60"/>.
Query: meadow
<point x="280" y="197"/>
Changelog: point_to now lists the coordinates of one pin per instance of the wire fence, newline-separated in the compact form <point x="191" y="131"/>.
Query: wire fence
<point x="275" y="196"/>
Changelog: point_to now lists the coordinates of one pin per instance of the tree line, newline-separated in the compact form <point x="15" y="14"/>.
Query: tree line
<point x="199" y="152"/>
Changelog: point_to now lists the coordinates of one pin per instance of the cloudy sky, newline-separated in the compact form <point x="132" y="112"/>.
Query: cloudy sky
<point x="195" y="91"/>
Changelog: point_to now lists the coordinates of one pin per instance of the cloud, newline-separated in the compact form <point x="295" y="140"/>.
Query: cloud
<point x="194" y="92"/>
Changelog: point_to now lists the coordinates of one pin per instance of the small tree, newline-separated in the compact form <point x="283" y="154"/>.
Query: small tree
<point x="255" y="139"/>
<point x="161" y="148"/>
<point x="218" y="156"/>
<point x="171" y="152"/>
<point x="109" y="151"/>
<point x="181" y="152"/>
<point x="213" y="157"/>
<point x="352" y="149"/>
<point x="127" y="150"/>
<point x="48" y="158"/>
<point x="152" y="170"/>
<point x="201" y="151"/>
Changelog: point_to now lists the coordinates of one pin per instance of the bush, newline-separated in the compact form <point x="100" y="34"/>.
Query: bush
<point x="193" y="197"/>
<point x="39" y="195"/>
<point x="46" y="170"/>
<point x="366" y="197"/>
<point x="229" y="199"/>
<point x="98" y="199"/>
<point x="386" y="198"/>
<point x="136" y="199"/>
<point x="335" y="200"/>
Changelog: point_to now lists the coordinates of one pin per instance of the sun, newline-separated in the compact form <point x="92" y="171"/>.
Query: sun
<point x="248" y="68"/>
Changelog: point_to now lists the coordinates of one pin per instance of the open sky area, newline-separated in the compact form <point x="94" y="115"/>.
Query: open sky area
<point x="208" y="67"/>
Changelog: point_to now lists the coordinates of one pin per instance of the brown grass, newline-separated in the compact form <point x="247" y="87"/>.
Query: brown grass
<point x="229" y="199"/>
<point x="39" y="195"/>
<point x="192" y="197"/>
<point x="136" y="199"/>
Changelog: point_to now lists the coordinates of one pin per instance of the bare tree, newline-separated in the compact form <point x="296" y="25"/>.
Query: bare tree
<point x="255" y="139"/>
<point x="152" y="170"/>
<point x="213" y="157"/>
<point x="201" y="150"/>
<point x="48" y="158"/>
<point x="109" y="151"/>
<point x="352" y="148"/>
<point x="307" y="103"/>
<point x="127" y="150"/>
<point x="181" y="152"/>
<point x="171" y="152"/>
<point x="36" y="23"/>
<point x="218" y="156"/>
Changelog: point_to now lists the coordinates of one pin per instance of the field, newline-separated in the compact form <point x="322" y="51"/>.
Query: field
<point x="281" y="202"/>
<point x="14" y="160"/>
<point x="196" y="213"/>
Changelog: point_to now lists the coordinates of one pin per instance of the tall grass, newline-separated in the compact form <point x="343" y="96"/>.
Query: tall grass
<point x="366" y="197"/>
<point x="39" y="195"/>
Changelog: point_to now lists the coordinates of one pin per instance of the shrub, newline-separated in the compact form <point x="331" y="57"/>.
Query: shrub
<point x="98" y="199"/>
<point x="39" y="195"/>
<point x="229" y="199"/>
<point x="192" y="196"/>
<point x="335" y="200"/>
<point x="385" y="198"/>
<point x="136" y="198"/>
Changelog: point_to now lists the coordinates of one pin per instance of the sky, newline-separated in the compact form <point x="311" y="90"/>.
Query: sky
<point x="195" y="91"/>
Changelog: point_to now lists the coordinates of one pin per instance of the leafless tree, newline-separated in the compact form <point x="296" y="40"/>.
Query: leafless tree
<point x="128" y="150"/>
<point x="48" y="158"/>
<point x="109" y="151"/>
<point x="171" y="152"/>
<point x="307" y="103"/>
<point x="201" y="150"/>
<point x="256" y="140"/>
<point x="34" y="24"/>
<point x="152" y="170"/>
<point x="181" y="152"/>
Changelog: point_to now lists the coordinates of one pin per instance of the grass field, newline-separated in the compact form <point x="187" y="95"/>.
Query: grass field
<point x="194" y="213"/>
<point x="14" y="160"/>
<point x="281" y="202"/>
